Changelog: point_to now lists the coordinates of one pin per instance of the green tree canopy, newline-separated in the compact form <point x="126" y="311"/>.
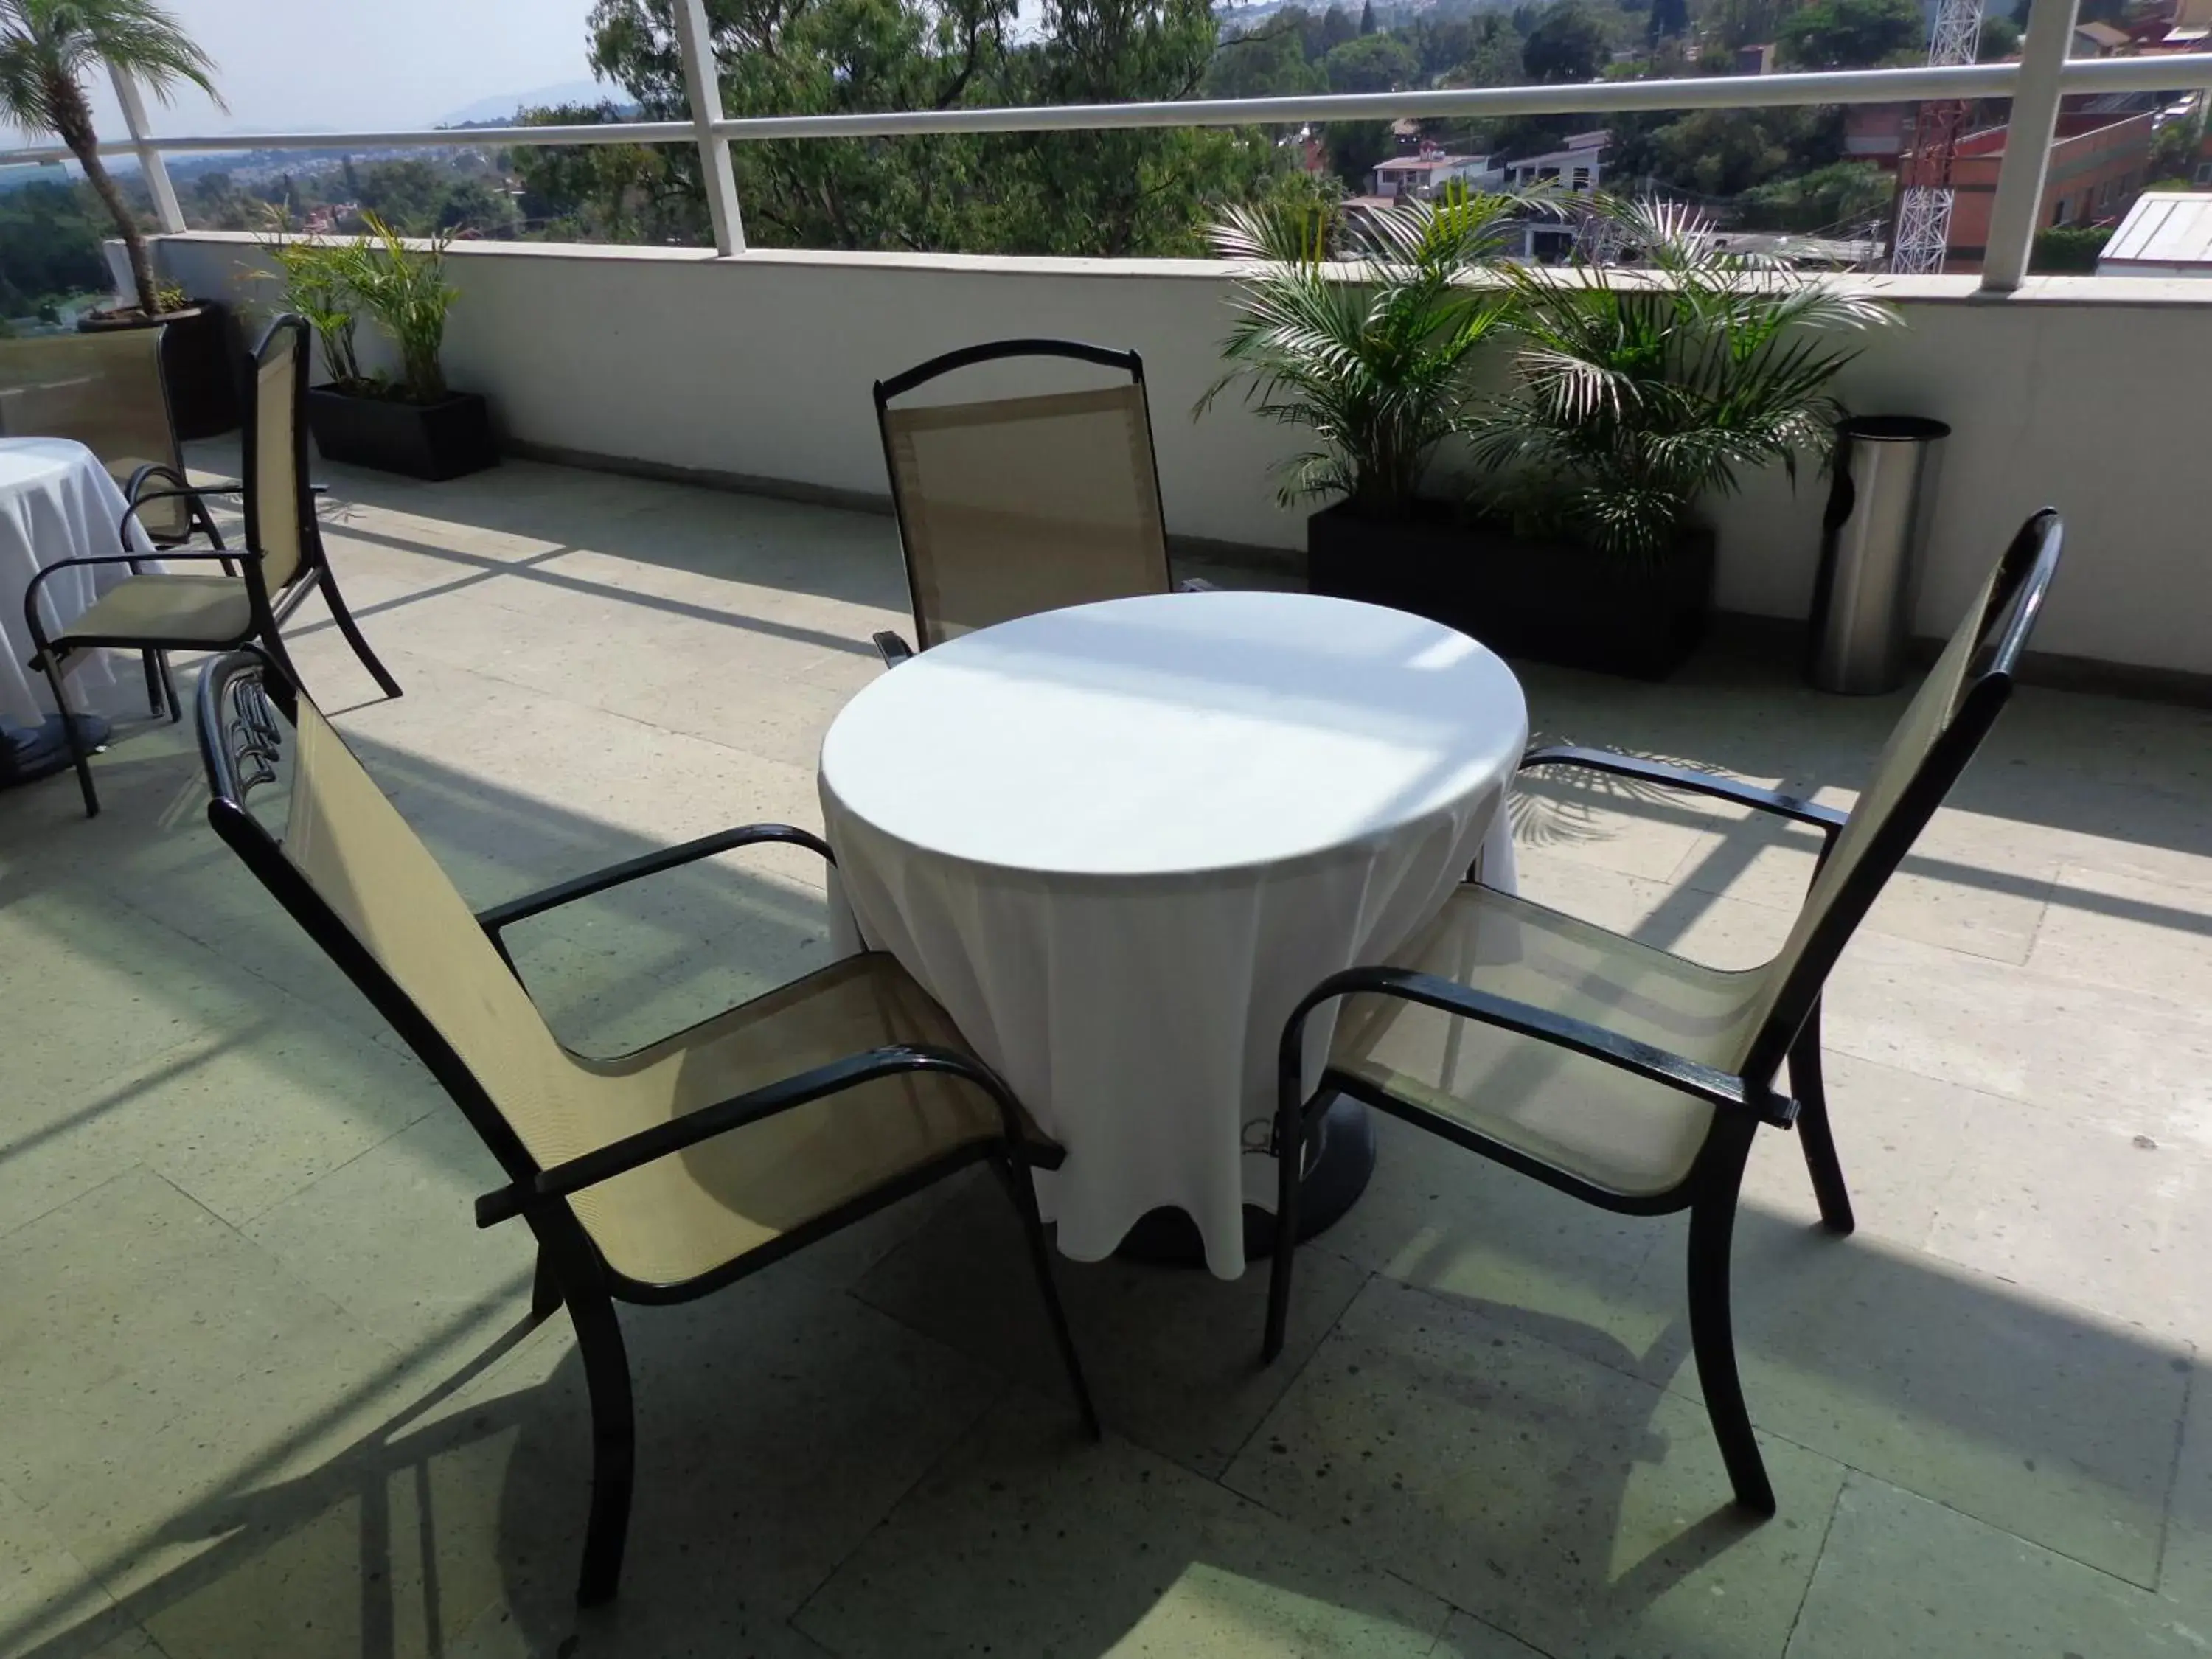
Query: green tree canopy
<point x="1568" y="44"/>
<point x="1269" y="63"/>
<point x="1834" y="34"/>
<point x="1373" y="63"/>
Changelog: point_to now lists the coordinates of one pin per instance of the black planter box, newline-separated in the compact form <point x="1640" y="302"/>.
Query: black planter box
<point x="1554" y="602"/>
<point x="423" y="440"/>
<point x="201" y="355"/>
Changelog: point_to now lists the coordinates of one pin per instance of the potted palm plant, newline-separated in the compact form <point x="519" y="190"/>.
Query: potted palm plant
<point x="1636" y="393"/>
<point x="411" y="423"/>
<point x="46" y="47"/>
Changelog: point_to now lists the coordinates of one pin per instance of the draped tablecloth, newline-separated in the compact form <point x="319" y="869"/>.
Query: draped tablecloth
<point x="1120" y="841"/>
<point x="58" y="501"/>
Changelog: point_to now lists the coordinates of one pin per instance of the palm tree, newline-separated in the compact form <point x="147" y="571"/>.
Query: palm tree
<point x="46" y="46"/>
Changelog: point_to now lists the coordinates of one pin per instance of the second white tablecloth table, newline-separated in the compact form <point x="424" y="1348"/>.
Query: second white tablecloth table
<point x="56" y="502"/>
<point x="1120" y="841"/>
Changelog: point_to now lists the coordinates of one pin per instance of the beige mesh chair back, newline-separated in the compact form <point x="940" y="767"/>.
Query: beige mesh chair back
<point x="106" y="391"/>
<point x="280" y="508"/>
<point x="1012" y="506"/>
<point x="1626" y="1076"/>
<point x="656" y="1177"/>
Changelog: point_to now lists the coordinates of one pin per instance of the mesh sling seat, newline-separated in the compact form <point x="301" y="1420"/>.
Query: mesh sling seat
<point x="282" y="562"/>
<point x="1012" y="506"/>
<point x="655" y="1177"/>
<point x="1626" y="1076"/>
<point x="107" y="391"/>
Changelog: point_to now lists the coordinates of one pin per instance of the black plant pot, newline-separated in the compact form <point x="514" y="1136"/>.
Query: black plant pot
<point x="424" y="440"/>
<point x="200" y="356"/>
<point x="1555" y="602"/>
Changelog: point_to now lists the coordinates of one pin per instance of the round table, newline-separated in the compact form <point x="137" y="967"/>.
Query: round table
<point x="56" y="502"/>
<point x="1120" y="841"/>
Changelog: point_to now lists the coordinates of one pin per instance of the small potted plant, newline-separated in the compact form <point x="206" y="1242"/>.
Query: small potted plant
<point x="411" y="423"/>
<point x="45" y="47"/>
<point x="1636" y="393"/>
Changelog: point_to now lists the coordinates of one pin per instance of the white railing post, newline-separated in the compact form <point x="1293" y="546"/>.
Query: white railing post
<point x="2014" y="214"/>
<point x="169" y="212"/>
<point x="703" y="84"/>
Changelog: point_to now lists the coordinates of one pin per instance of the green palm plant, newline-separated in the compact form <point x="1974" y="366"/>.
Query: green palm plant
<point x="1636" y="393"/>
<point x="404" y="289"/>
<point x="46" y="46"/>
<point x="1370" y="349"/>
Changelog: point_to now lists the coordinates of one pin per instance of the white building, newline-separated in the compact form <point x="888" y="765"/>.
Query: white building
<point x="1426" y="176"/>
<point x="1578" y="166"/>
<point x="2165" y="233"/>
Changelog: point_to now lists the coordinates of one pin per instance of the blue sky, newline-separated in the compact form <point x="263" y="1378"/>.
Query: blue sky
<point x="336" y="65"/>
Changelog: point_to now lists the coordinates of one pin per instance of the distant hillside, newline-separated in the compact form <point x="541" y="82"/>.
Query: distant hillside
<point x="501" y="108"/>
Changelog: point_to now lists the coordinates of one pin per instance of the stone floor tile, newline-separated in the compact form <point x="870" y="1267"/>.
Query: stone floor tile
<point x="1616" y="824"/>
<point x="1908" y="1579"/>
<point x="1976" y="1394"/>
<point x="2089" y="1212"/>
<point x="391" y="1236"/>
<point x="1030" y="1539"/>
<point x="238" y="1120"/>
<point x="2142" y="935"/>
<point x="1468" y="1638"/>
<point x="1171" y="1353"/>
<point x="1579" y="1510"/>
<point x="777" y="1424"/>
<point x="49" y="1606"/>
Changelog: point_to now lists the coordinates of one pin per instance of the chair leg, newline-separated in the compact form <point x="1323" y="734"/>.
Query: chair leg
<point x="1813" y="1133"/>
<point x="1712" y="1223"/>
<point x="169" y="688"/>
<point x="614" y="1442"/>
<point x="1290" y="1147"/>
<point x="545" y="1297"/>
<point x="71" y="733"/>
<point x="1021" y="1186"/>
<point x="152" y="666"/>
<point x="351" y="629"/>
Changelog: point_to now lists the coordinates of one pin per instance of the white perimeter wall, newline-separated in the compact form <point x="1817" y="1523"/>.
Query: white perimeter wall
<point x="2084" y="393"/>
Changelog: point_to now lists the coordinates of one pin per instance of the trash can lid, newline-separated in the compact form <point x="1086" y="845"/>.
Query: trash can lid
<point x="1893" y="428"/>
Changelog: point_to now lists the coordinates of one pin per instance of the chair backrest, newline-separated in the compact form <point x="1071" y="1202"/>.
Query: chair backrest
<point x="1017" y="505"/>
<point x="280" y="508"/>
<point x="360" y="881"/>
<point x="1938" y="734"/>
<point x="107" y="392"/>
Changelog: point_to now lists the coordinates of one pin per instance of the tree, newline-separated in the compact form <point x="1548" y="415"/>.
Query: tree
<point x="1336" y="28"/>
<point x="1834" y="34"/>
<point x="46" y="47"/>
<point x="1568" y="44"/>
<point x="1373" y="63"/>
<point x="1844" y="195"/>
<point x="50" y="233"/>
<point x="405" y="195"/>
<point x="604" y="192"/>
<point x="1669" y="19"/>
<point x="1367" y="16"/>
<point x="2000" y="40"/>
<point x="1492" y="58"/>
<point x="1269" y="63"/>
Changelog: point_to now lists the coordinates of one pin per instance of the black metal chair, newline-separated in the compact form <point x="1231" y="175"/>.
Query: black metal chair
<point x="1632" y="1078"/>
<point x="655" y="1177"/>
<point x="1012" y="506"/>
<point x="283" y="561"/>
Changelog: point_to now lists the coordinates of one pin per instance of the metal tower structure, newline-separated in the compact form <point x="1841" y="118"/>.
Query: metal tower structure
<point x="1923" y="173"/>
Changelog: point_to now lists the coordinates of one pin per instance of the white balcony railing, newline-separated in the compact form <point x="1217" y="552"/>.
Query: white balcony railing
<point x="2035" y="85"/>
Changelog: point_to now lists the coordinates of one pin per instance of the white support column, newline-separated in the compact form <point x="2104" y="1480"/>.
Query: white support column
<point x="2015" y="215"/>
<point x="167" y="211"/>
<point x="703" y="86"/>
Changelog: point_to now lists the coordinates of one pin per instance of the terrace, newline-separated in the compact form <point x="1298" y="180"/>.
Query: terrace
<point x="269" y="1391"/>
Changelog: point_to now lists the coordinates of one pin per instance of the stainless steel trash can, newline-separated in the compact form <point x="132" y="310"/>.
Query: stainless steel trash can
<point x="1877" y="518"/>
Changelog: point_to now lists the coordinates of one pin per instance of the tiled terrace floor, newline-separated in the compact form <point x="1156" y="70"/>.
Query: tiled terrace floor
<point x="264" y="1390"/>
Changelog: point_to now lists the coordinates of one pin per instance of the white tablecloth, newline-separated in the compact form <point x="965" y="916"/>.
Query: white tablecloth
<point x="57" y="503"/>
<point x="1118" y="842"/>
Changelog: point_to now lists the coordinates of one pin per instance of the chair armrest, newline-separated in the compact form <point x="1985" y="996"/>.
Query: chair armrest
<point x="1826" y="819"/>
<point x="1195" y="585"/>
<point x="891" y="648"/>
<point x="153" y="470"/>
<point x="620" y="1156"/>
<point x="499" y="916"/>
<point x="1717" y="1088"/>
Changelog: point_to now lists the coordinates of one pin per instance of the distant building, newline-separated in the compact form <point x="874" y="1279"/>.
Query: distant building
<point x="1755" y="60"/>
<point x="1576" y="167"/>
<point x="2093" y="177"/>
<point x="2099" y="40"/>
<point x="1425" y="177"/>
<point x="2165" y="233"/>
